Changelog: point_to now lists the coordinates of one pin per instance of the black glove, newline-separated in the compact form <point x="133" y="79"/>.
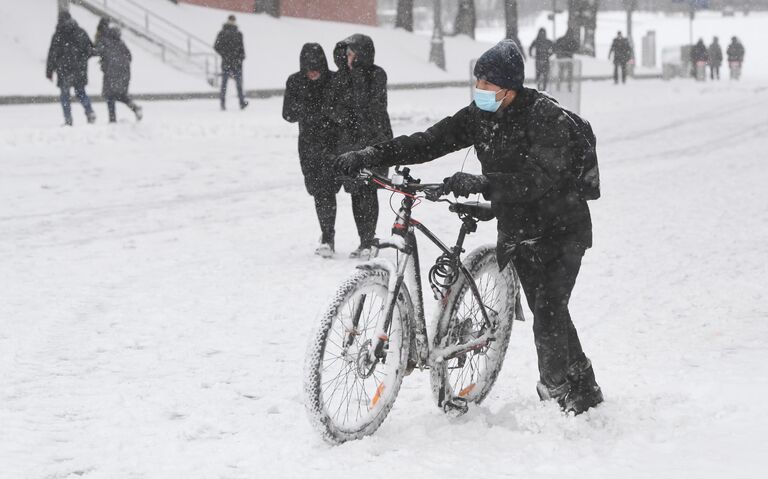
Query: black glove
<point x="464" y="184"/>
<point x="353" y="161"/>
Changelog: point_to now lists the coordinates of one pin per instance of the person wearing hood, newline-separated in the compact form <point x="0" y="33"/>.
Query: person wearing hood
<point x="68" y="57"/>
<point x="699" y="60"/>
<point x="229" y="44"/>
<point x="305" y="93"/>
<point x="526" y="144"/>
<point x="565" y="48"/>
<point x="715" y="59"/>
<point x="735" y="54"/>
<point x="544" y="48"/>
<point x="357" y="105"/>
<point x="621" y="50"/>
<point x="116" y="65"/>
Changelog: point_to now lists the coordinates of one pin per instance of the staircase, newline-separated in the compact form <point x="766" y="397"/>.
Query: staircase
<point x="175" y="46"/>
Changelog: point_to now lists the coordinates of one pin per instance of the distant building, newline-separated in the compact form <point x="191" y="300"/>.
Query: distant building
<point x="350" y="11"/>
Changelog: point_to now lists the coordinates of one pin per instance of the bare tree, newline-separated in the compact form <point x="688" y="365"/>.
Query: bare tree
<point x="510" y="12"/>
<point x="466" y="19"/>
<point x="404" y="18"/>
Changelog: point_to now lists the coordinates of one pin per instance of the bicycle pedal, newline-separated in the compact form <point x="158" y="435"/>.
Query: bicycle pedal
<point x="456" y="406"/>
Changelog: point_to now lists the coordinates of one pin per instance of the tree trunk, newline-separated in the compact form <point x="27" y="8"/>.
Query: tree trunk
<point x="404" y="17"/>
<point x="510" y="12"/>
<point x="63" y="5"/>
<point x="465" y="19"/>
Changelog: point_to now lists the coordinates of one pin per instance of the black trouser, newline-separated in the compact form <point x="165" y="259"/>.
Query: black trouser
<point x="714" y="72"/>
<point x="123" y="98"/>
<point x="548" y="271"/>
<point x="565" y="72"/>
<point x="542" y="74"/>
<point x="325" y="206"/>
<point x="365" y="208"/>
<point x="623" y="67"/>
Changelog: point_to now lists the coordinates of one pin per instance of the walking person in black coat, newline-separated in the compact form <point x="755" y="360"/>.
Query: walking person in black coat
<point x="621" y="50"/>
<point x="68" y="57"/>
<point x="565" y="48"/>
<point x="544" y="224"/>
<point x="357" y="104"/>
<point x="735" y="54"/>
<point x="116" y="65"/>
<point x="229" y="44"/>
<point x="305" y="93"/>
<point x="544" y="48"/>
<point x="715" y="59"/>
<point x="699" y="60"/>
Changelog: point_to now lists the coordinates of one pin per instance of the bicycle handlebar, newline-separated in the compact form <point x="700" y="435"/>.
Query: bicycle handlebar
<point x="403" y="182"/>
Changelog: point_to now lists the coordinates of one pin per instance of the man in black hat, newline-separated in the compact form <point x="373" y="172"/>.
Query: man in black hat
<point x="526" y="144"/>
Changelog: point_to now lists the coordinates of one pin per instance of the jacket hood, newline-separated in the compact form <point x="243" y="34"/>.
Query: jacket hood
<point x="361" y="44"/>
<point x="312" y="57"/>
<point x="230" y="26"/>
<point x="542" y="34"/>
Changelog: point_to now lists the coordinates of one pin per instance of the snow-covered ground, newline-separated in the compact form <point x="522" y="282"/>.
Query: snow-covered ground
<point x="158" y="289"/>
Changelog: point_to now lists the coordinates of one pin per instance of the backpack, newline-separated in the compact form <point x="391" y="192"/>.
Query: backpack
<point x="584" y="167"/>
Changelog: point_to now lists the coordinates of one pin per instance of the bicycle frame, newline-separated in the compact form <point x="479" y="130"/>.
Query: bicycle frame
<point x="403" y="239"/>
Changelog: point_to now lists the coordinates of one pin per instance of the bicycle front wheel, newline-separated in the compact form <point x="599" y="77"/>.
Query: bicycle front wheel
<point x="471" y="375"/>
<point x="348" y="395"/>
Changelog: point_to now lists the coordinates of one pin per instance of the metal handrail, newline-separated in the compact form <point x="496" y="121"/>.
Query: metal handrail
<point x="206" y="61"/>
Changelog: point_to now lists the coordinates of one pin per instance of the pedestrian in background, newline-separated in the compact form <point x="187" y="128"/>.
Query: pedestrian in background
<point x="357" y="104"/>
<point x="116" y="66"/>
<point x="735" y="54"/>
<point x="715" y="59"/>
<point x="305" y="93"/>
<point x="699" y="60"/>
<point x="68" y="57"/>
<point x="229" y="44"/>
<point x="544" y="48"/>
<point x="621" y="50"/>
<point x="565" y="48"/>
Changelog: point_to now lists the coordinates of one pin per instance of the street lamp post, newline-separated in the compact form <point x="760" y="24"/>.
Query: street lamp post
<point x="437" y="48"/>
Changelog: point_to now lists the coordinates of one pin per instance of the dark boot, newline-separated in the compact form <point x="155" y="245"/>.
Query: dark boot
<point x="584" y="393"/>
<point x="578" y="393"/>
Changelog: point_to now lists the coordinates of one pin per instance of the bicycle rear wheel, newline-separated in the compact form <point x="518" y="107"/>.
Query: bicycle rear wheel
<point x="347" y="395"/>
<point x="471" y="375"/>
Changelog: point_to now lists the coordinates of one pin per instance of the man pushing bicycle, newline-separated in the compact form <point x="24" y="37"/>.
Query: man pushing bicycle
<point x="533" y="162"/>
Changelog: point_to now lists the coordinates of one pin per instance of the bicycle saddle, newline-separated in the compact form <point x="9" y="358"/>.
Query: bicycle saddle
<point x="480" y="211"/>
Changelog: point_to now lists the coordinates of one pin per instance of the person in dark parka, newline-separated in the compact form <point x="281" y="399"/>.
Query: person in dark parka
<point x="116" y="65"/>
<point x="565" y="48"/>
<point x="544" y="48"/>
<point x="699" y="59"/>
<point x="68" y="57"/>
<point x="305" y="93"/>
<point x="621" y="50"/>
<point x="229" y="44"/>
<point x="735" y="54"/>
<point x="357" y="104"/>
<point x="715" y="59"/>
<point x="525" y="145"/>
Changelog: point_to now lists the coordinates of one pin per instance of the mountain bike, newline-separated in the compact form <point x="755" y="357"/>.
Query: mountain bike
<point x="373" y="333"/>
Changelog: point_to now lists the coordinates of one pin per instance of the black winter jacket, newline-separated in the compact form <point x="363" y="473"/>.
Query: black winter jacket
<point x="229" y="44"/>
<point x="715" y="55"/>
<point x="543" y="46"/>
<point x="115" y="62"/>
<point x="621" y="50"/>
<point x="68" y="55"/>
<point x="302" y="104"/>
<point x="735" y="52"/>
<point x="525" y="151"/>
<point x="357" y="101"/>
